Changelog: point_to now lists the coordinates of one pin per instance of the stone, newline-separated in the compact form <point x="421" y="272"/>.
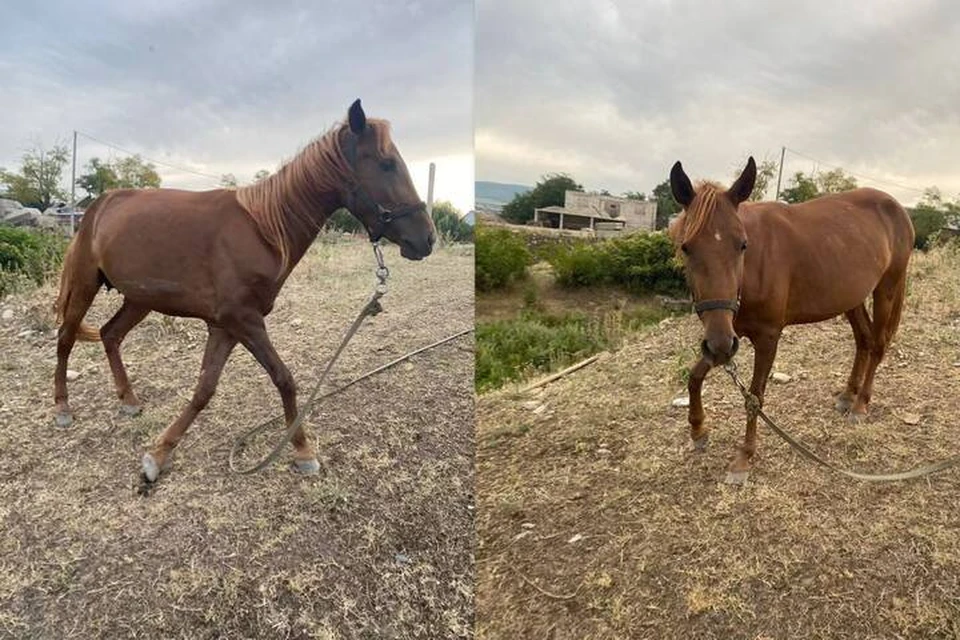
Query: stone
<point x="7" y="314"/>
<point x="72" y="375"/>
<point x="682" y="401"/>
<point x="782" y="378"/>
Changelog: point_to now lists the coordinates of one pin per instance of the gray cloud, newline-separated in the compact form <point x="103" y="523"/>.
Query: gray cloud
<point x="614" y="93"/>
<point x="220" y="86"/>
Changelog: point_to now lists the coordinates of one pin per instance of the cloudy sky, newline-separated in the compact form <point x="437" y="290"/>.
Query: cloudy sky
<point x="226" y="86"/>
<point x="615" y="92"/>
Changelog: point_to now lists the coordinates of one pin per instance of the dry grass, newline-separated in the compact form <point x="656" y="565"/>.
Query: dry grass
<point x="596" y="522"/>
<point x="380" y="545"/>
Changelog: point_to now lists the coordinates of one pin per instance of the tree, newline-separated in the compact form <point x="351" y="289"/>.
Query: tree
<point x="635" y="195"/>
<point x="99" y="177"/>
<point x="127" y="173"/>
<point x="228" y="181"/>
<point x="930" y="215"/>
<point x="807" y="187"/>
<point x="134" y="173"/>
<point x="803" y="188"/>
<point x="260" y="175"/>
<point x="38" y="183"/>
<point x="450" y="224"/>
<point x="549" y="192"/>
<point x="667" y="207"/>
<point x="835" y="181"/>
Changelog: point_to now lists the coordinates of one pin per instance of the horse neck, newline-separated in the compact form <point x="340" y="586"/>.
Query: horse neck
<point x="306" y="196"/>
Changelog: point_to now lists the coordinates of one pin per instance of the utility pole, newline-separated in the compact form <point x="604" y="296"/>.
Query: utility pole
<point x="783" y="151"/>
<point x="73" y="188"/>
<point x="433" y="170"/>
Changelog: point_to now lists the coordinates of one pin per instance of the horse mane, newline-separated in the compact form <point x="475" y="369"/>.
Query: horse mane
<point x="693" y="218"/>
<point x="289" y="198"/>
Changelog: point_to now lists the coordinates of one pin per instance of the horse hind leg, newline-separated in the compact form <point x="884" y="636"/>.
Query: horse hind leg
<point x="887" y="308"/>
<point x="860" y="323"/>
<point x="77" y="293"/>
<point x="112" y="335"/>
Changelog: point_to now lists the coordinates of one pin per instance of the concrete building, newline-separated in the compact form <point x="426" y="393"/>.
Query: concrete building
<point x="604" y="215"/>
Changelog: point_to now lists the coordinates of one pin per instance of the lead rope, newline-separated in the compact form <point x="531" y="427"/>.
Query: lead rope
<point x="754" y="408"/>
<point x="371" y="308"/>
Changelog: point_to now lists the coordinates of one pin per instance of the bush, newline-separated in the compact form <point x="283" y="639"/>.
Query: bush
<point x="28" y="255"/>
<point x="501" y="258"/>
<point x="512" y="349"/>
<point x="926" y="223"/>
<point x="450" y="224"/>
<point x="642" y="263"/>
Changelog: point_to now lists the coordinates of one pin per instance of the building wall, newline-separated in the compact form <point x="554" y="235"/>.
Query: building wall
<point x="637" y="214"/>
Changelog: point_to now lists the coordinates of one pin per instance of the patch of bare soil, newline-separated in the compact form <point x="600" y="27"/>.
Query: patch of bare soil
<point x="595" y="520"/>
<point x="380" y="545"/>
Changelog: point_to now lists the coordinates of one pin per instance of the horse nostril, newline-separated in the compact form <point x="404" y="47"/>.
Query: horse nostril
<point x="735" y="346"/>
<point x="705" y="348"/>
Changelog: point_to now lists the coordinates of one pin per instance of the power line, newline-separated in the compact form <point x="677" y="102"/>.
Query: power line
<point x="153" y="160"/>
<point x="858" y="175"/>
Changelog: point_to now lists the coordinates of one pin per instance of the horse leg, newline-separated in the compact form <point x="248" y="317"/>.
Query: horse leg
<point x="887" y="306"/>
<point x="81" y="297"/>
<point x="860" y="323"/>
<point x="764" y="353"/>
<point x="699" y="434"/>
<point x="219" y="345"/>
<point x="112" y="334"/>
<point x="253" y="336"/>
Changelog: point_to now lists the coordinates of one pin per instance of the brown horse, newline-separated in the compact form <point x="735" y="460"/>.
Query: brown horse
<point x="223" y="256"/>
<point x="754" y="268"/>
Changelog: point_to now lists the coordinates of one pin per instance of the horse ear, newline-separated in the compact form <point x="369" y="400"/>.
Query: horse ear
<point x="357" y="118"/>
<point x="680" y="185"/>
<point x="743" y="187"/>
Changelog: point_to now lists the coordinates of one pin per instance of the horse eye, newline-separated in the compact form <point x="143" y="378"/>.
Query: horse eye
<point x="685" y="248"/>
<point x="743" y="246"/>
<point x="388" y="165"/>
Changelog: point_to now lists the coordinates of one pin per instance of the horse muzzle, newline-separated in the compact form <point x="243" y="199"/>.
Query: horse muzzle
<point x="719" y="351"/>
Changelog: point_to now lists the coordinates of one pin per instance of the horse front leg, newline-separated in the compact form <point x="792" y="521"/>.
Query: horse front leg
<point x="699" y="434"/>
<point x="765" y="351"/>
<point x="253" y="336"/>
<point x="219" y="345"/>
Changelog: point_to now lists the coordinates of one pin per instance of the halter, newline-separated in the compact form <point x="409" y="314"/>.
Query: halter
<point x="384" y="216"/>
<point x="712" y="305"/>
<point x="357" y="193"/>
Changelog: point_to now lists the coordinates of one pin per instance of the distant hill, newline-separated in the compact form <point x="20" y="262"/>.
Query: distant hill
<point x="491" y="196"/>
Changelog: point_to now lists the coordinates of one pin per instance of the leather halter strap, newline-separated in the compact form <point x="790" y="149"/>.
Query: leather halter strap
<point x="713" y="305"/>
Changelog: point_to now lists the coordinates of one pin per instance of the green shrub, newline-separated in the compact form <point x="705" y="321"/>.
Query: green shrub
<point x="501" y="258"/>
<point x="642" y="263"/>
<point x="513" y="349"/>
<point x="28" y="255"/>
<point x="450" y="224"/>
<point x="927" y="222"/>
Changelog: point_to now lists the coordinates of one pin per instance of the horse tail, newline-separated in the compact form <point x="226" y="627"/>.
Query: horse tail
<point x="896" y="310"/>
<point x="73" y="266"/>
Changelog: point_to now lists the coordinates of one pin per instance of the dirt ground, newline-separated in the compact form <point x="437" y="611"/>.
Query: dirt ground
<point x="596" y="521"/>
<point x="379" y="545"/>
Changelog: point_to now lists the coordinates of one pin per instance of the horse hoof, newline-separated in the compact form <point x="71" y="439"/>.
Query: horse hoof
<point x="309" y="467"/>
<point x="843" y="404"/>
<point x="700" y="444"/>
<point x="130" y="410"/>
<point x="856" y="418"/>
<point x="63" y="420"/>
<point x="150" y="469"/>
<point x="737" y="478"/>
